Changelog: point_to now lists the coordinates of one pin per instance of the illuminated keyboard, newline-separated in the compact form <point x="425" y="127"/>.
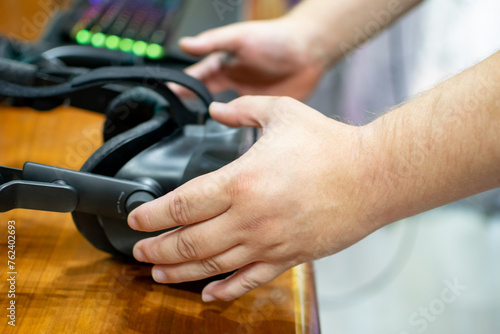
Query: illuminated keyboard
<point x="142" y="27"/>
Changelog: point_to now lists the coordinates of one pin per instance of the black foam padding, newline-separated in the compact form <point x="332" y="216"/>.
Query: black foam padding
<point x="108" y="159"/>
<point x="131" y="108"/>
<point x="88" y="225"/>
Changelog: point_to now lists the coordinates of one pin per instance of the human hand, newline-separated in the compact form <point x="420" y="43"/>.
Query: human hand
<point x="274" y="57"/>
<point x="297" y="195"/>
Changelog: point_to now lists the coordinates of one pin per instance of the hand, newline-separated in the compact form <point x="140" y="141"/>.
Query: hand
<point x="273" y="57"/>
<point x="297" y="195"/>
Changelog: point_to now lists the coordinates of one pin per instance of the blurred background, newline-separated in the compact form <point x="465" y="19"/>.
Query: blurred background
<point x="438" y="272"/>
<point x="393" y="281"/>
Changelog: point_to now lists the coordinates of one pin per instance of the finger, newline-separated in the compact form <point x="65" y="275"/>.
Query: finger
<point x="207" y="67"/>
<point x="181" y="91"/>
<point x="225" y="262"/>
<point x="241" y="282"/>
<point x="198" y="200"/>
<point x="227" y="39"/>
<point x="208" y="70"/>
<point x="253" y="111"/>
<point x="193" y="242"/>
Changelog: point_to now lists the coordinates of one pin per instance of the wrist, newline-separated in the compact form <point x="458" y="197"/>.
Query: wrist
<point x="404" y="174"/>
<point x="310" y="39"/>
<point x="381" y="188"/>
<point x="359" y="177"/>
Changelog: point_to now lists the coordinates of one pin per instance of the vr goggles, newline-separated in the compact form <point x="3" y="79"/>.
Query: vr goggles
<point x="154" y="142"/>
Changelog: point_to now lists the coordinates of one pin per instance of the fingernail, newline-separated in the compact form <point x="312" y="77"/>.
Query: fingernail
<point x="139" y="255"/>
<point x="207" y="298"/>
<point x="191" y="41"/>
<point x="159" y="276"/>
<point x="132" y="222"/>
<point x="218" y="107"/>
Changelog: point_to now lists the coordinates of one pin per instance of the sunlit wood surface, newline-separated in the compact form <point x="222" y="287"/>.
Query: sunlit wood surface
<point x="64" y="285"/>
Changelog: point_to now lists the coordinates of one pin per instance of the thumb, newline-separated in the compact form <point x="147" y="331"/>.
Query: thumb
<point x="226" y="39"/>
<point x="253" y="111"/>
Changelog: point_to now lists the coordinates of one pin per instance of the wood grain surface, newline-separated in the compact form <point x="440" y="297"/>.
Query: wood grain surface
<point x="64" y="285"/>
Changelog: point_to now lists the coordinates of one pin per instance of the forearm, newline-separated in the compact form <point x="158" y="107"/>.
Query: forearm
<point x="441" y="147"/>
<point x="336" y="27"/>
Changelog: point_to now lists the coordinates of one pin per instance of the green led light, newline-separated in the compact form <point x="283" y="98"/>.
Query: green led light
<point x="83" y="37"/>
<point x="98" y="40"/>
<point x="112" y="42"/>
<point x="140" y="48"/>
<point x="155" y="51"/>
<point x="126" y="45"/>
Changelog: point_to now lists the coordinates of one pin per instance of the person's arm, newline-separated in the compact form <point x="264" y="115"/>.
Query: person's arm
<point x="336" y="27"/>
<point x="312" y="186"/>
<point x="441" y="147"/>
<point x="287" y="56"/>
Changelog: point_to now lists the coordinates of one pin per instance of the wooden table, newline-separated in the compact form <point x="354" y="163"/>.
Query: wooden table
<point x="64" y="285"/>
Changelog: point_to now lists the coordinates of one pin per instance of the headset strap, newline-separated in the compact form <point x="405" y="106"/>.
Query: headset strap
<point x="151" y="78"/>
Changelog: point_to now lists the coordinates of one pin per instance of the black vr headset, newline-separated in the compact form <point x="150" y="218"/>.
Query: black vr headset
<point x="154" y="142"/>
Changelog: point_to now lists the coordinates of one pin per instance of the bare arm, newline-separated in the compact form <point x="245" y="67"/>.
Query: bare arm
<point x="287" y="56"/>
<point x="443" y="146"/>
<point x="312" y="186"/>
<point x="336" y="27"/>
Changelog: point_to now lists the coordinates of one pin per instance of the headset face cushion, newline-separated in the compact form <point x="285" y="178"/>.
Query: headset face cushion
<point x="107" y="161"/>
<point x="131" y="108"/>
